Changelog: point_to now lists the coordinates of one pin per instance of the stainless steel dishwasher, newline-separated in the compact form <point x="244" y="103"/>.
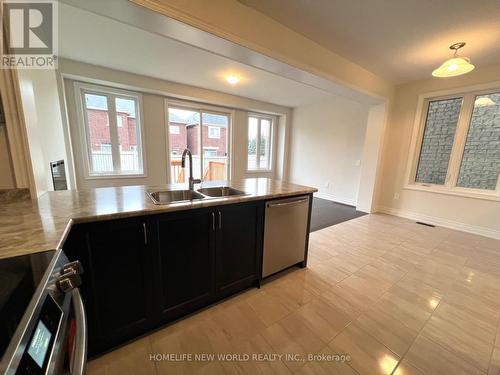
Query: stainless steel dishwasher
<point x="285" y="233"/>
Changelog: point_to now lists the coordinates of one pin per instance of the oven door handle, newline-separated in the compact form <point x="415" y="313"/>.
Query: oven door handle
<point x="80" y="350"/>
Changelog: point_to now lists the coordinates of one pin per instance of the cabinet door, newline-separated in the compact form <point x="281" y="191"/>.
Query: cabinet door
<point x="238" y="246"/>
<point x="119" y="259"/>
<point x="185" y="261"/>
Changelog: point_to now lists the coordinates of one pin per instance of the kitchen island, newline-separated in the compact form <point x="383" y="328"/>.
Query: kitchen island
<point x="149" y="264"/>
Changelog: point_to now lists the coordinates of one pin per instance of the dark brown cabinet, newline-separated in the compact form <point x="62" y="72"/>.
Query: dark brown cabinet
<point x="117" y="284"/>
<point x="184" y="260"/>
<point x="142" y="272"/>
<point x="238" y="246"/>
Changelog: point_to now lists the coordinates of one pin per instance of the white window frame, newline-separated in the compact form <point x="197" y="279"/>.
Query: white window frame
<point x="200" y="108"/>
<point x="450" y="187"/>
<point x="174" y="129"/>
<point x="210" y="129"/>
<point x="260" y="117"/>
<point x="111" y="94"/>
<point x="209" y="148"/>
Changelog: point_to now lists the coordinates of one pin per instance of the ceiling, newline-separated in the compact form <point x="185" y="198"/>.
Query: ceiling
<point x="400" y="40"/>
<point x="117" y="45"/>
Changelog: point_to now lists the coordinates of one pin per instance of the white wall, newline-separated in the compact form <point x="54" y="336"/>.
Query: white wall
<point x="154" y="93"/>
<point x="464" y="213"/>
<point x="42" y="112"/>
<point x="327" y="140"/>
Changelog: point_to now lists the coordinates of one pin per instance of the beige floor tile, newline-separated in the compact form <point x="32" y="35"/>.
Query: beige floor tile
<point x="349" y="262"/>
<point x="296" y="339"/>
<point x="440" y="282"/>
<point x="269" y="308"/>
<point x="388" y="330"/>
<point x="398" y="260"/>
<point x="368" y="356"/>
<point x="432" y="359"/>
<point x="427" y="292"/>
<point x="188" y="341"/>
<point x="254" y="358"/>
<point x="381" y="269"/>
<point x="406" y="368"/>
<point x="315" y="279"/>
<point x="291" y="293"/>
<point x="322" y="364"/>
<point x="475" y="306"/>
<point x="462" y="334"/>
<point x="360" y="284"/>
<point x="330" y="272"/>
<point x="353" y="304"/>
<point x="481" y="284"/>
<point x="410" y="309"/>
<point x="325" y="320"/>
<point x="129" y="360"/>
<point x="454" y="248"/>
<point x="239" y="321"/>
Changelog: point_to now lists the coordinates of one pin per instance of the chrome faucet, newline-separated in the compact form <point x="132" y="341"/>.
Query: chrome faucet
<point x="192" y="181"/>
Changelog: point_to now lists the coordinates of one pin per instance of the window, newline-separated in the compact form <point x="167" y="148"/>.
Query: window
<point x="210" y="151"/>
<point x="112" y="131"/>
<point x="458" y="145"/>
<point x="259" y="143"/>
<point x="174" y="129"/>
<point x="206" y="135"/>
<point x="213" y="132"/>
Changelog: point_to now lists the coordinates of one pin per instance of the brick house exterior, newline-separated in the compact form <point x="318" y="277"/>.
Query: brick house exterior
<point x="178" y="142"/>
<point x="100" y="134"/>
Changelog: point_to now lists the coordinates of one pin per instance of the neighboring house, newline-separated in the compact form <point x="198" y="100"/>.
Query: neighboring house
<point x="98" y="123"/>
<point x="184" y="134"/>
<point x="99" y="130"/>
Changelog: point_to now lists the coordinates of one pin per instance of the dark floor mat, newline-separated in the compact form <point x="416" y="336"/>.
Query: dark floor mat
<point x="326" y="213"/>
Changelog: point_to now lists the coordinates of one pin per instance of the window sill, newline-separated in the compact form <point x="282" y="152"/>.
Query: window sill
<point x="114" y="176"/>
<point x="259" y="171"/>
<point x="458" y="192"/>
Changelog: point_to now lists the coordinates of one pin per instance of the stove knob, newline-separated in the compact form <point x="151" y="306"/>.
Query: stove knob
<point x="73" y="266"/>
<point x="68" y="281"/>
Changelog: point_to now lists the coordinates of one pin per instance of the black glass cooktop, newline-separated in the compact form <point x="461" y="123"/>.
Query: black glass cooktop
<point x="19" y="277"/>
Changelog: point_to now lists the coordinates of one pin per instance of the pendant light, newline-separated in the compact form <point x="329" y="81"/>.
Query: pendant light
<point x="455" y="66"/>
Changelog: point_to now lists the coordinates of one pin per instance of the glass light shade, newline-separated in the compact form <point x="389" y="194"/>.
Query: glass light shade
<point x="483" y="101"/>
<point x="454" y="67"/>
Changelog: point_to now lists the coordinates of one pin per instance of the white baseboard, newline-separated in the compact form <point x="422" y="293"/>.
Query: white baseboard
<point x="474" y="229"/>
<point x="336" y="198"/>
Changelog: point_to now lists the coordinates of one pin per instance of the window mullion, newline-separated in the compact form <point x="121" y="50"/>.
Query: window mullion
<point x="459" y="142"/>
<point x="200" y="135"/>
<point x="113" y="134"/>
<point x="257" y="145"/>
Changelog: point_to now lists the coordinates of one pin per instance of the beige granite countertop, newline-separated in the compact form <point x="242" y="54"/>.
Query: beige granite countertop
<point x="28" y="226"/>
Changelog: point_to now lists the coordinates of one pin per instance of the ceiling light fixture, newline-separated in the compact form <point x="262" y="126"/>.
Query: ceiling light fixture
<point x="483" y="101"/>
<point x="232" y="79"/>
<point x="456" y="65"/>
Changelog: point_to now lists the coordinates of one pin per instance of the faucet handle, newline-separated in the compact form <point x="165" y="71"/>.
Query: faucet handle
<point x="197" y="181"/>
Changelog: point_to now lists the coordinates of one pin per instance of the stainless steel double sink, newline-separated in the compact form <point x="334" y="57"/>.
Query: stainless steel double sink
<point x="176" y="196"/>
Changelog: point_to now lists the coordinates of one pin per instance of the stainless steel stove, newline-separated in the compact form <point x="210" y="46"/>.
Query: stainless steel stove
<point x="42" y="318"/>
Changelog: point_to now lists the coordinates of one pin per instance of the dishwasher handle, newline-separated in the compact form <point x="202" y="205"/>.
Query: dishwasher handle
<point x="287" y="203"/>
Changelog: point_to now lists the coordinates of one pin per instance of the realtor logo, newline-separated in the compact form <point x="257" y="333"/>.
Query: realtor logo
<point x="30" y="39"/>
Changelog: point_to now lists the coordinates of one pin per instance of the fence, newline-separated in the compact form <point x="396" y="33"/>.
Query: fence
<point x="210" y="164"/>
<point x="103" y="161"/>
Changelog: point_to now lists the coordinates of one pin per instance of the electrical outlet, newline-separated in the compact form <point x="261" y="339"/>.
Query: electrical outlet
<point x="396" y="196"/>
<point x="357" y="163"/>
